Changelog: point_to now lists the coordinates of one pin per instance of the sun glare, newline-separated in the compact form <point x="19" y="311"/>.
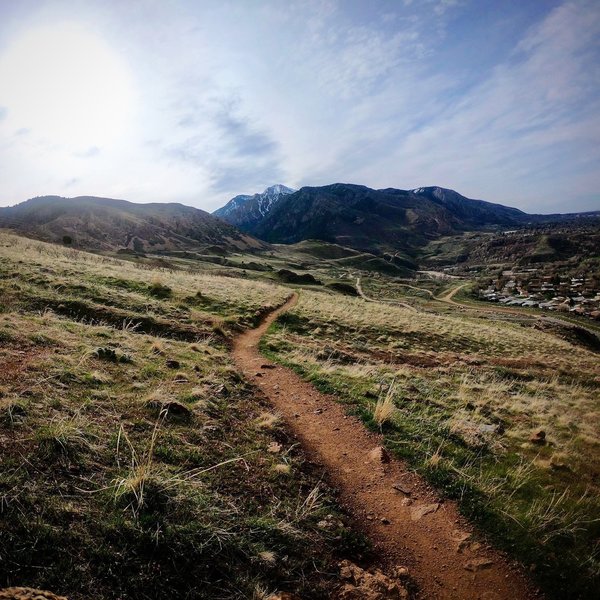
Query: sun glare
<point x="65" y="85"/>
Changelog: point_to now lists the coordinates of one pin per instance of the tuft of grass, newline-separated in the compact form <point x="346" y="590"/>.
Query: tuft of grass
<point x="133" y="487"/>
<point x="158" y="289"/>
<point x="158" y="347"/>
<point x="282" y="468"/>
<point x="12" y="411"/>
<point x="385" y="409"/>
<point x="63" y="437"/>
<point x="309" y="505"/>
<point x="267" y="420"/>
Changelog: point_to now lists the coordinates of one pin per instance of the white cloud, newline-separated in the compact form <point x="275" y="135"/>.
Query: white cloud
<point x="232" y="97"/>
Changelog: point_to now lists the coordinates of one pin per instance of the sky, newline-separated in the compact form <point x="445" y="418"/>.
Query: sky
<point x="197" y="101"/>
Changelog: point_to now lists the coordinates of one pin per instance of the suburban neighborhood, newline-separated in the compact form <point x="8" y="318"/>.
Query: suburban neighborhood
<point x="530" y="288"/>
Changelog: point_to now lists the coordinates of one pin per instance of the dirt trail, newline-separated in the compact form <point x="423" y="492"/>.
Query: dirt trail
<point x="407" y="522"/>
<point x="448" y="297"/>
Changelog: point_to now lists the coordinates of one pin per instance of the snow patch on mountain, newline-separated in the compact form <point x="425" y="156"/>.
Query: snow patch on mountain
<point x="244" y="209"/>
<point x="233" y="205"/>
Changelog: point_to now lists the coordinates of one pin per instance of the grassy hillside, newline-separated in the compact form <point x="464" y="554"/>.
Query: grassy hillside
<point x="567" y="244"/>
<point x="498" y="414"/>
<point x="105" y="224"/>
<point x="135" y="461"/>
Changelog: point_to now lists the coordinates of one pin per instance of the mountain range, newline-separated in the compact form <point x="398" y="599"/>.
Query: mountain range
<point x="379" y="221"/>
<point x="363" y="218"/>
<point x="105" y="224"/>
<point x="387" y="221"/>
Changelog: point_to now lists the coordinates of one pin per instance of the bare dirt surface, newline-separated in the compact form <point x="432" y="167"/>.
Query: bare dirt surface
<point x="407" y="522"/>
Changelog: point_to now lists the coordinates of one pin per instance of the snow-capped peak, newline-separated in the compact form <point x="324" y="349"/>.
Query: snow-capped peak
<point x="278" y="188"/>
<point x="270" y="196"/>
<point x="244" y="207"/>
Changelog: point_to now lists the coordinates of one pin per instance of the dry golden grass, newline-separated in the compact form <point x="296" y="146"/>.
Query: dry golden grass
<point x="469" y="394"/>
<point x="94" y="472"/>
<point x="551" y="394"/>
<point x="71" y="264"/>
<point x="384" y="409"/>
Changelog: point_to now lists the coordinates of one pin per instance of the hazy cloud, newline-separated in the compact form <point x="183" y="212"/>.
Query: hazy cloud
<point x="88" y="152"/>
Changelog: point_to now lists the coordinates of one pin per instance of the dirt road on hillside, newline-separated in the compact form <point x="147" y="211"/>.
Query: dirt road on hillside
<point x="407" y="522"/>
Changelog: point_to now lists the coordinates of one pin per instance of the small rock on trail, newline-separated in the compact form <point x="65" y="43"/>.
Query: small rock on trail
<point x="418" y="512"/>
<point x="400" y="487"/>
<point x="361" y="584"/>
<point x="477" y="564"/>
<point x="379" y="455"/>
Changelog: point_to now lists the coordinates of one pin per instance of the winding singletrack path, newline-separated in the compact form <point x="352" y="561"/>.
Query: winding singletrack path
<point x="366" y="298"/>
<point x="443" y="560"/>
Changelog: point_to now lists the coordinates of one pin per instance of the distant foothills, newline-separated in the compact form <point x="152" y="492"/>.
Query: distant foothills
<point x="354" y="216"/>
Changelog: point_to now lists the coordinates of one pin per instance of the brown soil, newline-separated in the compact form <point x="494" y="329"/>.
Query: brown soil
<point x="408" y="523"/>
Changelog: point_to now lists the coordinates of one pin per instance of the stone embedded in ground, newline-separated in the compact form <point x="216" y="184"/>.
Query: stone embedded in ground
<point x="12" y="409"/>
<point x="539" y="437"/>
<point x="478" y="564"/>
<point x="20" y="593"/>
<point x="274" y="447"/>
<point x="418" y="512"/>
<point x="400" y="487"/>
<point x="559" y="465"/>
<point x="177" y="409"/>
<point x="111" y="355"/>
<point x="360" y="584"/>
<point x="268" y="366"/>
<point x="463" y="539"/>
<point x="380" y="455"/>
<point x="172" y="408"/>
